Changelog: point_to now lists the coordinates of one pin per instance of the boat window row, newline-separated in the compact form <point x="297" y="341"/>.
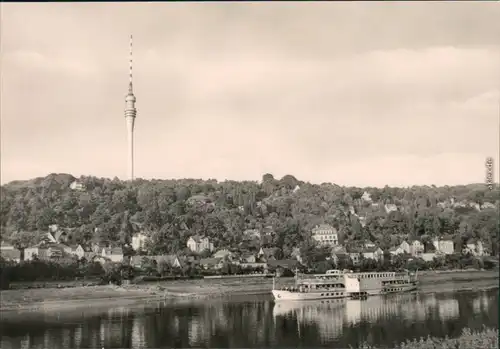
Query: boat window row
<point x="332" y="294"/>
<point x="374" y="276"/>
<point x="395" y="282"/>
<point x="396" y="289"/>
<point x="320" y="286"/>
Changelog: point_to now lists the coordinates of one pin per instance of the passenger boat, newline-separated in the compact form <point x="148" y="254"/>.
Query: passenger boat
<point x="338" y="284"/>
<point x="319" y="286"/>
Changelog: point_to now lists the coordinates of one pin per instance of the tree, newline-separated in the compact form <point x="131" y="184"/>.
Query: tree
<point x="109" y="211"/>
<point x="24" y="239"/>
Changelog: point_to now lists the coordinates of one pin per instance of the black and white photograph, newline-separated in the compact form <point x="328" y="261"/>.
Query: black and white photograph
<point x="249" y="174"/>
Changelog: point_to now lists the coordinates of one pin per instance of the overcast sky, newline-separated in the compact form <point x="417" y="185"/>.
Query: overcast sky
<point x="350" y="93"/>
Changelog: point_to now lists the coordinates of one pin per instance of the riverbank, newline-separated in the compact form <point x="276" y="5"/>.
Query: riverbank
<point x="487" y="338"/>
<point x="96" y="296"/>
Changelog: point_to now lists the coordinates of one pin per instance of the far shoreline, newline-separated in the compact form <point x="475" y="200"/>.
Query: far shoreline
<point x="106" y="297"/>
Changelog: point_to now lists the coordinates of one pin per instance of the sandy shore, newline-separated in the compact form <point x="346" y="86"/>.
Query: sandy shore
<point x="108" y="296"/>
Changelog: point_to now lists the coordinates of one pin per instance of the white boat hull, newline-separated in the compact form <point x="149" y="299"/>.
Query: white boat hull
<point x="281" y="295"/>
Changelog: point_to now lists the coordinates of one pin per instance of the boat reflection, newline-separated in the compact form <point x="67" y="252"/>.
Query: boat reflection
<point x="331" y="316"/>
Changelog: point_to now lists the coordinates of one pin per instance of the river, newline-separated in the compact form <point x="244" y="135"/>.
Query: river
<point x="256" y="322"/>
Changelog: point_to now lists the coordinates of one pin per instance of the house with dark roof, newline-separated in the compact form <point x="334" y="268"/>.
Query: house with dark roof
<point x="355" y="255"/>
<point x="340" y="256"/>
<point x="285" y="264"/>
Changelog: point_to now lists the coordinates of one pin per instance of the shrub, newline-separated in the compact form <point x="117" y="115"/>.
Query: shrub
<point x="485" y="339"/>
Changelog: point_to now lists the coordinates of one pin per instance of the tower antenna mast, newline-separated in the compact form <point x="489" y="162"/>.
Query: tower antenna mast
<point x="130" y="114"/>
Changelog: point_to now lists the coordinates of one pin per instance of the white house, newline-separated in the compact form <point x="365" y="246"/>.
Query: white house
<point x="355" y="257"/>
<point x="139" y="241"/>
<point x="374" y="253"/>
<point x="474" y="247"/>
<point x="32" y="251"/>
<point x="45" y="251"/>
<point x="115" y="254"/>
<point x="325" y="235"/>
<point x="78" y="251"/>
<point x="390" y="208"/>
<point x="396" y="250"/>
<point x="199" y="244"/>
<point x="405" y="246"/>
<point x="416" y="248"/>
<point x="77" y="186"/>
<point x="487" y="205"/>
<point x="475" y="205"/>
<point x="445" y="246"/>
<point x="366" y="197"/>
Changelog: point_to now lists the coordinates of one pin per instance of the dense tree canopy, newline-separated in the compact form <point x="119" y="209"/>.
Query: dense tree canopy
<point x="172" y="210"/>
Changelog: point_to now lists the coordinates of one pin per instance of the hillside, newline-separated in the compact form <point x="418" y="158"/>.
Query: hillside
<point x="171" y="210"/>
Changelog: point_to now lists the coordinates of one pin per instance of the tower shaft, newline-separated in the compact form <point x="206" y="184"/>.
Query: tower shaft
<point x="130" y="114"/>
<point x="130" y="147"/>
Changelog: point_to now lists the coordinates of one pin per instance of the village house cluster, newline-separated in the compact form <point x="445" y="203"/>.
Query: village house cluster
<point x="54" y="245"/>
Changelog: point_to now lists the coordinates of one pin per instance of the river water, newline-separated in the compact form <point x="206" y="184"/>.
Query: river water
<point x="256" y="322"/>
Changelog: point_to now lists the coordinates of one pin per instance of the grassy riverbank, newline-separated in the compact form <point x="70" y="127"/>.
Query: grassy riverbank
<point x="486" y="339"/>
<point x="91" y="296"/>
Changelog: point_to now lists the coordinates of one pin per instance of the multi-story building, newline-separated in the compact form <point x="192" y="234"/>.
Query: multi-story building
<point x="445" y="246"/>
<point x="416" y="248"/>
<point x="199" y="244"/>
<point x="139" y="241"/>
<point x="325" y="235"/>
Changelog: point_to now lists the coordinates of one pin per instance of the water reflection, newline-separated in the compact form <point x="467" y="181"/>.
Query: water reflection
<point x="257" y="323"/>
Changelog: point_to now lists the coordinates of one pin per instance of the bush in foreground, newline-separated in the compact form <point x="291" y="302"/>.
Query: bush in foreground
<point x="485" y="339"/>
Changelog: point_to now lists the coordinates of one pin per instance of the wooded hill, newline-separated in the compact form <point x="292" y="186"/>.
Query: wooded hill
<point x="110" y="211"/>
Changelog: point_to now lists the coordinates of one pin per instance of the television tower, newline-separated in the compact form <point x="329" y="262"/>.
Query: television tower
<point x="130" y="113"/>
